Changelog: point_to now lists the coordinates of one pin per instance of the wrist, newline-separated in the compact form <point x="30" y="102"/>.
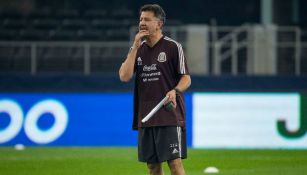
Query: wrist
<point x="177" y="91"/>
<point x="133" y="47"/>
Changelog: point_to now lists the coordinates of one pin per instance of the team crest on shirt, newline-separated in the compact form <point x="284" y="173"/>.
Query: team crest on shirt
<point x="139" y="61"/>
<point x="162" y="57"/>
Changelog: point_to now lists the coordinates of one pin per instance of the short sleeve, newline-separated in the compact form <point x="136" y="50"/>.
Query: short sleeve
<point x="182" y="66"/>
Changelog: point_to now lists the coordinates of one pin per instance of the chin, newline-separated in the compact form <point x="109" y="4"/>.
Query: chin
<point x="146" y="37"/>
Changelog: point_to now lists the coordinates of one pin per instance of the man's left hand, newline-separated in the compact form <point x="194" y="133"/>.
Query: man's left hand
<point x="171" y="97"/>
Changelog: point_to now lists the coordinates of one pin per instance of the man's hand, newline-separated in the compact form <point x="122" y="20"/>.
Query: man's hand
<point x="171" y="97"/>
<point x="138" y="38"/>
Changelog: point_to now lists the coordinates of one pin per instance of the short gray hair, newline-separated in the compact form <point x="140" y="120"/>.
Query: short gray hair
<point x="156" y="9"/>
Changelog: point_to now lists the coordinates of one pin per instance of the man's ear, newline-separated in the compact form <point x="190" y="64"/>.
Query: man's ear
<point x="160" y="24"/>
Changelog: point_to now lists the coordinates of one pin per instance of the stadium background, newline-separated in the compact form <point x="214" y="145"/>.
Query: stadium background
<point x="248" y="65"/>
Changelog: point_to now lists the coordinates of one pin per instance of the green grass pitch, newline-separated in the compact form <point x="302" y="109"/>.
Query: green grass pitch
<point x="123" y="161"/>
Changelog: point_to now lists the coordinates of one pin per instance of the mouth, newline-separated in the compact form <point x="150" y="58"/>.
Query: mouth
<point x="142" y="28"/>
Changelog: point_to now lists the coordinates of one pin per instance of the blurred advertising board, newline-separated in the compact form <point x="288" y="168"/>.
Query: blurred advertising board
<point x="66" y="119"/>
<point x="214" y="120"/>
<point x="249" y="120"/>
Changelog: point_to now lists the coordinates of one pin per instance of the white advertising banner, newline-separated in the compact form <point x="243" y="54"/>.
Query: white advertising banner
<point x="247" y="120"/>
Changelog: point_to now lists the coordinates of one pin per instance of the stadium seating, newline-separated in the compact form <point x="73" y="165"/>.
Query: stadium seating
<point x="93" y="25"/>
<point x="79" y="23"/>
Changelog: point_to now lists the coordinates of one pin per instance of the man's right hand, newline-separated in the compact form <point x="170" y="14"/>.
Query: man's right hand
<point x="138" y="38"/>
<point x="126" y="69"/>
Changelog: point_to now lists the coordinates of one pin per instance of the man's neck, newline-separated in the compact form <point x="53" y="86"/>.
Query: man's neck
<point x="152" y="40"/>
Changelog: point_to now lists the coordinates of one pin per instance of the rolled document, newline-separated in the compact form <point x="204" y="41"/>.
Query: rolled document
<point x="155" y="109"/>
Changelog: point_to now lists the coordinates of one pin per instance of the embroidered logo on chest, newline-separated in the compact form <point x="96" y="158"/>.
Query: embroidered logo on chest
<point x="162" y="57"/>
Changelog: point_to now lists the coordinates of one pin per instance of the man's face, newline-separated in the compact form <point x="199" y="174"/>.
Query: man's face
<point x="149" y="22"/>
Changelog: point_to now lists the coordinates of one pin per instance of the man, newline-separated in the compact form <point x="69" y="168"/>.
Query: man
<point x="161" y="70"/>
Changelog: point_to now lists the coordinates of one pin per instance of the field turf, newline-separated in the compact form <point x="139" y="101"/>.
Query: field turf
<point x="123" y="161"/>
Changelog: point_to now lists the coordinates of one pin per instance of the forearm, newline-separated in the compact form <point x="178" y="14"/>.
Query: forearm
<point x="127" y="68"/>
<point x="184" y="83"/>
